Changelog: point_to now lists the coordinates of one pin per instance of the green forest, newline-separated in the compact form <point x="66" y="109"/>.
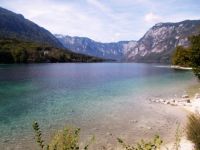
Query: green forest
<point x="18" y="51"/>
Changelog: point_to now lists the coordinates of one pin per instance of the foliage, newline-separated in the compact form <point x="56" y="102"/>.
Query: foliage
<point x="67" y="139"/>
<point x="38" y="135"/>
<point x="143" y="145"/>
<point x="189" y="56"/>
<point x="18" y="51"/>
<point x="193" y="129"/>
<point x="195" y="54"/>
<point x="181" y="57"/>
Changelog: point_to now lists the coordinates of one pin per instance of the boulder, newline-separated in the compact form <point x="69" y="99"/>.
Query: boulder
<point x="109" y="134"/>
<point x="185" y="96"/>
<point x="188" y="100"/>
<point x="133" y="121"/>
<point x="162" y="100"/>
<point x="173" y="100"/>
<point x="185" y="100"/>
<point x="197" y="96"/>
<point x="166" y="102"/>
<point x="149" y="128"/>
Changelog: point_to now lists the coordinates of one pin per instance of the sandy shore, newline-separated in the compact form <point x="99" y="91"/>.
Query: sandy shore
<point x="191" y="105"/>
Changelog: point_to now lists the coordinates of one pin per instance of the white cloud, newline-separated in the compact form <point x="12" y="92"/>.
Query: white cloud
<point x="98" y="4"/>
<point x="152" y="18"/>
<point x="102" y="20"/>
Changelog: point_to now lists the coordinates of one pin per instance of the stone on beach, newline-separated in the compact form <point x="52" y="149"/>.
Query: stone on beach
<point x="133" y="121"/>
<point x="185" y="96"/>
<point x="188" y="101"/>
<point x="162" y="100"/>
<point x="109" y="134"/>
<point x="184" y="100"/>
<point x="173" y="100"/>
<point x="157" y="101"/>
<point x="197" y="96"/>
<point x="149" y="128"/>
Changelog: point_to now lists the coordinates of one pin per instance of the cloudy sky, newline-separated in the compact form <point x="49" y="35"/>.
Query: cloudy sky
<point x="103" y="20"/>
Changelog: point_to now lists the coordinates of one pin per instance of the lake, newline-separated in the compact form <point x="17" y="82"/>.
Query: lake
<point x="103" y="99"/>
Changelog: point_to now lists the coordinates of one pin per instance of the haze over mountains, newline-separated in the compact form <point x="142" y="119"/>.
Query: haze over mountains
<point x="22" y="41"/>
<point x="88" y="46"/>
<point x="156" y="45"/>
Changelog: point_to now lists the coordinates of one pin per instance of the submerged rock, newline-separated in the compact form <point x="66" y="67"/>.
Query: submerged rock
<point x="5" y="140"/>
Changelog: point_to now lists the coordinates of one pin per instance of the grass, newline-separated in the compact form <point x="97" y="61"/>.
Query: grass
<point x="154" y="144"/>
<point x="66" y="139"/>
<point x="193" y="129"/>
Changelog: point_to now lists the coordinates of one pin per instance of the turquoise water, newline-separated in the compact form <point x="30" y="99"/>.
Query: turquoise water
<point x="78" y="94"/>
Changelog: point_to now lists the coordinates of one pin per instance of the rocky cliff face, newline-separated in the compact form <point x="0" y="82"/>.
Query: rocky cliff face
<point x="87" y="46"/>
<point x="156" y="45"/>
<point x="159" y="42"/>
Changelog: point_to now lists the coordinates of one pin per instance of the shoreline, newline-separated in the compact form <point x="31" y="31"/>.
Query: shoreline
<point x="180" y="68"/>
<point x="190" y="105"/>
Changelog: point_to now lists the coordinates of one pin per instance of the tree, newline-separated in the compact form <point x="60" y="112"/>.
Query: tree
<point x="195" y="54"/>
<point x="181" y="57"/>
<point x="189" y="57"/>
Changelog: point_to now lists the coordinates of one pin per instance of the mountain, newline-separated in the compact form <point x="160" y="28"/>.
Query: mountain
<point x="14" y="25"/>
<point x="22" y="41"/>
<point x="158" y="43"/>
<point x="18" y="51"/>
<point x="87" y="46"/>
<point x="156" y="46"/>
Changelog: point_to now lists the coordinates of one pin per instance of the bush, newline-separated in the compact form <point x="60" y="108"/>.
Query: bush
<point x="189" y="57"/>
<point x="181" y="57"/>
<point x="143" y="145"/>
<point x="193" y="130"/>
<point x="67" y="139"/>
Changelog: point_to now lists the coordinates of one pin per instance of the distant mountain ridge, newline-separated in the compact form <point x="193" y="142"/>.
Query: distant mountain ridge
<point x="14" y="25"/>
<point x="88" y="46"/>
<point x="156" y="45"/>
<point x="22" y="41"/>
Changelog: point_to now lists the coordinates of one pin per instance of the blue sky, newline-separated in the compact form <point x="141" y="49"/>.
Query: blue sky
<point x="103" y="20"/>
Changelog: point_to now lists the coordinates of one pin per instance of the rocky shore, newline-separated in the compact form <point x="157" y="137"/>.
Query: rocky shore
<point x="191" y="104"/>
<point x="180" y="68"/>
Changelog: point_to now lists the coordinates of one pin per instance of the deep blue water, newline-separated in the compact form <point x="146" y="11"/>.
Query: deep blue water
<point x="56" y="94"/>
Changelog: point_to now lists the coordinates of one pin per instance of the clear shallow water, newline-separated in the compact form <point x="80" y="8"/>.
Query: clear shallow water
<point x="95" y="97"/>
